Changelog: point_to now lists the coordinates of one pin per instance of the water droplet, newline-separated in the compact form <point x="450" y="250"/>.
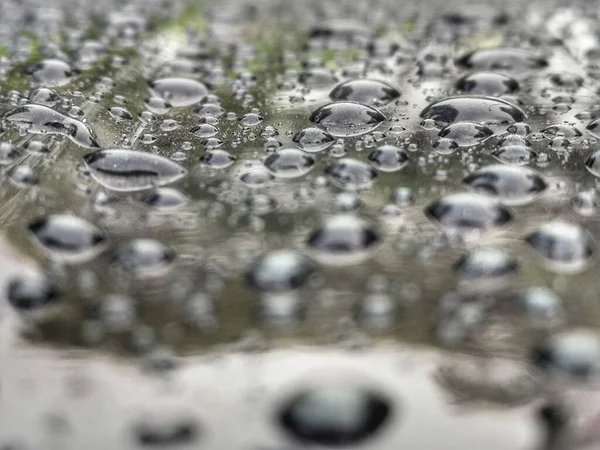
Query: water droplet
<point x="376" y="311"/>
<point x="281" y="271"/>
<point x="485" y="264"/>
<point x="510" y="59"/>
<point x="166" y="198"/>
<point x="592" y="164"/>
<point x="334" y="415"/>
<point x="8" y="153"/>
<point x="465" y="134"/>
<point x="51" y="72"/>
<point x="205" y="130"/>
<point x="341" y="236"/>
<point x="39" y="119"/>
<point x="218" y="159"/>
<point x="23" y="175"/>
<point x="67" y="238"/>
<point x="350" y="174"/>
<point x="484" y="110"/>
<point x="468" y="212"/>
<point x="256" y="177"/>
<point x="565" y="246"/>
<point x="572" y="355"/>
<point x="566" y="131"/>
<point x="368" y="92"/>
<point x="487" y="83"/>
<point x="346" y="202"/>
<point x="566" y="80"/>
<point x="166" y="430"/>
<point x="145" y="256"/>
<point x="541" y="304"/>
<point x="251" y="119"/>
<point x="313" y="139"/>
<point x="32" y="291"/>
<point x="403" y="196"/>
<point x="318" y="78"/>
<point x="119" y="113"/>
<point x="512" y="184"/>
<point x="586" y="203"/>
<point x="388" y="158"/>
<point x="289" y="163"/>
<point x="44" y="96"/>
<point x="128" y="170"/>
<point x="346" y="119"/>
<point x="179" y="92"/>
<point x="158" y="105"/>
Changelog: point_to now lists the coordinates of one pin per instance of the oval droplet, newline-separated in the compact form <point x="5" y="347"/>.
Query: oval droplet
<point x="346" y="119"/>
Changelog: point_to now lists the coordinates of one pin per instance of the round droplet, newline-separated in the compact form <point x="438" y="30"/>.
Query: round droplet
<point x="119" y="113"/>
<point x="487" y="83"/>
<point x="517" y="155"/>
<point x="483" y="110"/>
<point x="468" y="212"/>
<point x="350" y="174"/>
<point x="205" y="130"/>
<point x="445" y="146"/>
<point x="368" y="92"/>
<point x="256" y="177"/>
<point x="179" y="92"/>
<point x="51" y="72"/>
<point x="334" y="415"/>
<point x="251" y="119"/>
<point x="511" y="184"/>
<point x="313" y="139"/>
<point x="573" y="355"/>
<point x="318" y="78"/>
<point x="541" y="304"/>
<point x="343" y="235"/>
<point x="486" y="264"/>
<point x="388" y="158"/>
<point x="289" y="163"/>
<point x="31" y="291"/>
<point x="347" y="202"/>
<point x="158" y="105"/>
<point x="218" y="159"/>
<point x="509" y="59"/>
<point x="565" y="246"/>
<point x="129" y="171"/>
<point x="592" y="163"/>
<point x="67" y="238"/>
<point x="346" y="119"/>
<point x="166" y="198"/>
<point x="145" y="256"/>
<point x="281" y="271"/>
<point x="465" y="134"/>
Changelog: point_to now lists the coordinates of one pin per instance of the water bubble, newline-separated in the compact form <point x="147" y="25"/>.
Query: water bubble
<point x="256" y="177"/>
<point x="334" y="415"/>
<point x="468" y="212"/>
<point x="586" y="203"/>
<point x="281" y="271"/>
<point x="51" y="72"/>
<point x="313" y="139"/>
<point x="350" y="174"/>
<point x="205" y="130"/>
<point x="169" y="125"/>
<point x="592" y="164"/>
<point x="8" y="153"/>
<point x="346" y="119"/>
<point x="465" y="134"/>
<point x="388" y="158"/>
<point x="32" y="291"/>
<point x="572" y="354"/>
<point x="541" y="304"/>
<point x="179" y="92"/>
<point x="512" y="184"/>
<point x="565" y="246"/>
<point x="67" y="238"/>
<point x="158" y="105"/>
<point x="39" y="119"/>
<point x="368" y="92"/>
<point x="128" y="170"/>
<point x="566" y="131"/>
<point x="23" y="175"/>
<point x="377" y="310"/>
<point x="251" y="119"/>
<point x="343" y="235"/>
<point x="403" y="196"/>
<point x="517" y="155"/>
<point x="318" y="78"/>
<point x="218" y="159"/>
<point x="145" y="256"/>
<point x="566" y="80"/>
<point x="166" y="198"/>
<point x="509" y="59"/>
<point x="44" y="96"/>
<point x="487" y="83"/>
<point x="346" y="202"/>
<point x="210" y="110"/>
<point x="445" y="146"/>
<point x="119" y="113"/>
<point x="484" y="110"/>
<point x="289" y="163"/>
<point x="485" y="264"/>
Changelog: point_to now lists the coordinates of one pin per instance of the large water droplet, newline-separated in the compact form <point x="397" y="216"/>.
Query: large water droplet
<point x="289" y="163"/>
<point x="128" y="170"/>
<point x="465" y="134"/>
<point x="51" y="72"/>
<point x="388" y="158"/>
<point x="31" y="291"/>
<point x="565" y="246"/>
<point x="487" y="83"/>
<point x="39" y="119"/>
<point x="313" y="139"/>
<point x="67" y="238"/>
<point x="281" y="271"/>
<point x="145" y="256"/>
<point x="510" y="59"/>
<point x="511" y="184"/>
<point x="179" y="92"/>
<point x="486" y="264"/>
<point x="368" y="92"/>
<point x="345" y="119"/>
<point x="484" y="110"/>
<point x="351" y="174"/>
<point x="334" y="416"/>
<point x="218" y="159"/>
<point x="468" y="212"/>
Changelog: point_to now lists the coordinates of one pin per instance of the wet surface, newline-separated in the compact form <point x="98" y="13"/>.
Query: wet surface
<point x="319" y="223"/>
